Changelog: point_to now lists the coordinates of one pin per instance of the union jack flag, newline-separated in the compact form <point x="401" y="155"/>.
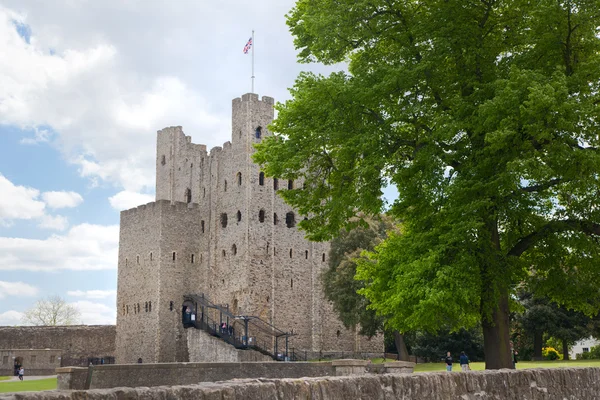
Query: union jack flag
<point x="248" y="46"/>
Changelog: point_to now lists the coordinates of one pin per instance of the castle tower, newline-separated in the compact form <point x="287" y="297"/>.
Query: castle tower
<point x="218" y="227"/>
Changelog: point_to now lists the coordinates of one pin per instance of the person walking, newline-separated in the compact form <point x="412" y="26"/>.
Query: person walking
<point x="21" y="373"/>
<point x="464" y="362"/>
<point x="449" y="362"/>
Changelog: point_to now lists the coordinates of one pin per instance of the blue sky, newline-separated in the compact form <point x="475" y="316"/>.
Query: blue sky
<point x="84" y="88"/>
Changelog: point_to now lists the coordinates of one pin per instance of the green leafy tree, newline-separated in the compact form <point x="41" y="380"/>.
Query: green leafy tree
<point x="538" y="318"/>
<point x="341" y="288"/>
<point x="484" y="114"/>
<point x="571" y="326"/>
<point x="433" y="347"/>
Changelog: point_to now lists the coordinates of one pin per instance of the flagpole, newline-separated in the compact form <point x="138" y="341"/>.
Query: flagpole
<point x="253" y="45"/>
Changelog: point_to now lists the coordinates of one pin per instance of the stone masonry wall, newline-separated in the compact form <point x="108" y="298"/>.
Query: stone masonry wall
<point x="246" y="255"/>
<point x="77" y="342"/>
<point x="535" y="384"/>
<point x="203" y="347"/>
<point x="35" y="361"/>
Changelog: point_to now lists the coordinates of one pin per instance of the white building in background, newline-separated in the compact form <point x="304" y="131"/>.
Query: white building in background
<point x="583" y="346"/>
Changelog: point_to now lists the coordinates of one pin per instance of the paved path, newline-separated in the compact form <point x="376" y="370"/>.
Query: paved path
<point x="28" y="378"/>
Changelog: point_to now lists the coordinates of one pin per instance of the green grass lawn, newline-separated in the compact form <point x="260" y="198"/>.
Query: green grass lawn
<point x="480" y="366"/>
<point x="28" y="386"/>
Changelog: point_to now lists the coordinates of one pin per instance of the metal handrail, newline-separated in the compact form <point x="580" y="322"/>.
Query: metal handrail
<point x="250" y="323"/>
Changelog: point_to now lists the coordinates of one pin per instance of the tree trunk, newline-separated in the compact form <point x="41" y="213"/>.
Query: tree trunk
<point x="565" y="349"/>
<point x="496" y="337"/>
<point x="401" y="346"/>
<point x="537" y="345"/>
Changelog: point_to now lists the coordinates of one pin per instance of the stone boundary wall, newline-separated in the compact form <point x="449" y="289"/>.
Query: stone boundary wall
<point x="134" y="375"/>
<point x="35" y="361"/>
<point x="533" y="384"/>
<point x="77" y="342"/>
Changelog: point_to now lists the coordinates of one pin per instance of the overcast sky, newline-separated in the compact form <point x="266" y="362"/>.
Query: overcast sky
<point x="84" y="86"/>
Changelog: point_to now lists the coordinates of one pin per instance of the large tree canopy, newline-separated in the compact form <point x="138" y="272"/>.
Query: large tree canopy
<point x="484" y="114"/>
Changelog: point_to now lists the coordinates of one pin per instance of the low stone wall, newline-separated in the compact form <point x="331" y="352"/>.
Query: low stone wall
<point x="534" y="384"/>
<point x="202" y="347"/>
<point x="34" y="361"/>
<point x="134" y="375"/>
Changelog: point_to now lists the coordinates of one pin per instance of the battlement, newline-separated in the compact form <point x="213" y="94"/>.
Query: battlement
<point x="253" y="97"/>
<point x="158" y="204"/>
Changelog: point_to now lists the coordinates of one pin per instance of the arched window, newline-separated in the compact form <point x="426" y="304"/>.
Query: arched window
<point x="306" y="254"/>
<point x="261" y="179"/>
<point x="202" y="226"/>
<point x="234" y="249"/>
<point x="261" y="216"/>
<point x="290" y="184"/>
<point x="275" y="183"/>
<point x="192" y="260"/>
<point x="258" y="132"/>
<point x="239" y="216"/>
<point x="224" y="220"/>
<point x="290" y="220"/>
<point x="188" y="195"/>
<point x="239" y="178"/>
<point x="225" y="186"/>
<point x="174" y="256"/>
<point x="275" y="220"/>
<point x="290" y="253"/>
<point x="323" y="257"/>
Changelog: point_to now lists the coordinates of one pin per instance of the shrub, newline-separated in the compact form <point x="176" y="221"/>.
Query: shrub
<point x="550" y="353"/>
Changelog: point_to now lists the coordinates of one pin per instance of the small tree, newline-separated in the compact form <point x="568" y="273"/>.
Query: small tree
<point x="52" y="311"/>
<point x="341" y="288"/>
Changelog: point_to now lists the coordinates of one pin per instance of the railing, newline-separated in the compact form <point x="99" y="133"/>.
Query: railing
<point x="241" y="331"/>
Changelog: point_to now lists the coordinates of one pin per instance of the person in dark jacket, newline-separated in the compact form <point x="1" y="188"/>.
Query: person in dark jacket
<point x="448" y="362"/>
<point x="464" y="362"/>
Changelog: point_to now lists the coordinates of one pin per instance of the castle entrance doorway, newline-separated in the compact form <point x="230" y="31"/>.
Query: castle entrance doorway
<point x="188" y="314"/>
<point x="18" y="364"/>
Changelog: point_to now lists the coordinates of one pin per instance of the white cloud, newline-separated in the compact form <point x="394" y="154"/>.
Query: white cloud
<point x="62" y="199"/>
<point x="92" y="294"/>
<point x="40" y="136"/>
<point x="125" y="200"/>
<point x="18" y="202"/>
<point x="84" y="247"/>
<point x="104" y="87"/>
<point x="96" y="313"/>
<point x="56" y="222"/>
<point x="11" y="317"/>
<point x="18" y="289"/>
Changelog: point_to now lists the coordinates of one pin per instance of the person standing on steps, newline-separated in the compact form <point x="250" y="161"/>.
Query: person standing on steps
<point x="448" y="362"/>
<point x="464" y="362"/>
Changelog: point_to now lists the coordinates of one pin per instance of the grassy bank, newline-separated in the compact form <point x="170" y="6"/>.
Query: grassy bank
<point x="480" y="366"/>
<point x="28" y="386"/>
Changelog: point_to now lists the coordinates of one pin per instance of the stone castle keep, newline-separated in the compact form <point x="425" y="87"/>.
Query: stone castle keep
<point x="218" y="228"/>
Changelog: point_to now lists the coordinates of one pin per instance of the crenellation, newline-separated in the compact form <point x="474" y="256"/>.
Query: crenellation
<point x="254" y="263"/>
